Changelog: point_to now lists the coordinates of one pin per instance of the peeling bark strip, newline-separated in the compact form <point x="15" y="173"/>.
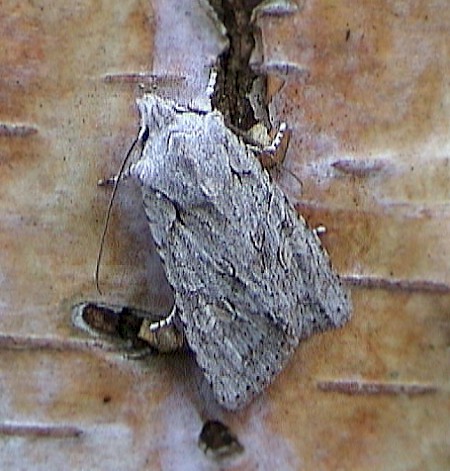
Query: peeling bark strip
<point x="366" y="388"/>
<point x="235" y="78"/>
<point x="40" y="430"/>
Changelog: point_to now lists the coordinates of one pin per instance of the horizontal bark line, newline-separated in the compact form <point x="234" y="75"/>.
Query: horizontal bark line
<point x="13" y="342"/>
<point x="396" y="284"/>
<point x="144" y="78"/>
<point x="17" y="130"/>
<point x="353" y="387"/>
<point x="39" y="430"/>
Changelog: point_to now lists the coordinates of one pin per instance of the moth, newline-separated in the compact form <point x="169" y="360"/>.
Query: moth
<point x="250" y="279"/>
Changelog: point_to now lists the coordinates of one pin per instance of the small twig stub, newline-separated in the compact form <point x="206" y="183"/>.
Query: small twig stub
<point x="250" y="278"/>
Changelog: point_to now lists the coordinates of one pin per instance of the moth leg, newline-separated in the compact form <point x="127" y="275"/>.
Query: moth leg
<point x="211" y="82"/>
<point x="111" y="181"/>
<point x="276" y="142"/>
<point x="163" y="335"/>
<point x="273" y="154"/>
<point x="319" y="230"/>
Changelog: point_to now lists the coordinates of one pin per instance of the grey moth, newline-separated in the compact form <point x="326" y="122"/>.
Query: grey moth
<point x="250" y="278"/>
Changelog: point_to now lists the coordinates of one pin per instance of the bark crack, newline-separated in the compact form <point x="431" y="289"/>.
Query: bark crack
<point x="236" y="81"/>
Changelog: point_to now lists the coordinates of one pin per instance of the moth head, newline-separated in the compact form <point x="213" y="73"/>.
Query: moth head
<point x="183" y="152"/>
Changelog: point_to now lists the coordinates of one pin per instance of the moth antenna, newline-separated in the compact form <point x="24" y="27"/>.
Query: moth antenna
<point x="108" y="212"/>
<point x="292" y="174"/>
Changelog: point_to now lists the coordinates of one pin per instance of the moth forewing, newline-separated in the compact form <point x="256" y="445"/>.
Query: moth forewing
<point x="250" y="278"/>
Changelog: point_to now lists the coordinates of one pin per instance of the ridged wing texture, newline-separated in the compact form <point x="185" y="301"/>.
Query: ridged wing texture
<point x="250" y="278"/>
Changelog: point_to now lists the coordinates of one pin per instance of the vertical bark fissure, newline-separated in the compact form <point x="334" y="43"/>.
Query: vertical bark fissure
<point x="235" y="78"/>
